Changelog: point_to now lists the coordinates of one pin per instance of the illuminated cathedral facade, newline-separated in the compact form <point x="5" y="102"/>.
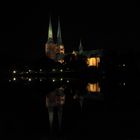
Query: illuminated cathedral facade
<point x="56" y="50"/>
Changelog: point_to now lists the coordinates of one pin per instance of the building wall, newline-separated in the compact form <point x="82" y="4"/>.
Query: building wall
<point x="51" y="50"/>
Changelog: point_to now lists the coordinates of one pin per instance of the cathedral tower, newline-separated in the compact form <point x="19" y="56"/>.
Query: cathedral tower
<point x="50" y="33"/>
<point x="50" y="46"/>
<point x="59" y="39"/>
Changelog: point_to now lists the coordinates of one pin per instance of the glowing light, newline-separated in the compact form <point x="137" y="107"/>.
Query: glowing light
<point x="53" y="70"/>
<point x="61" y="79"/>
<point x="74" y="52"/>
<point x="68" y="81"/>
<point x="62" y="51"/>
<point x="29" y="79"/>
<point x="14" y="72"/>
<point x="14" y="79"/>
<point x="98" y="61"/>
<point x="40" y="80"/>
<point x="61" y="47"/>
<point x="9" y="80"/>
<point x="29" y="70"/>
<point x="40" y="70"/>
<point x="61" y="70"/>
<point x="93" y="87"/>
<point x="124" y="84"/>
<point x="91" y="61"/>
<point x="123" y="65"/>
<point x="53" y="80"/>
<point x="61" y="61"/>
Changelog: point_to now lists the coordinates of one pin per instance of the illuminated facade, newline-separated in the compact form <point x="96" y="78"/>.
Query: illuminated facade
<point x="93" y="56"/>
<point x="56" y="51"/>
<point x="93" y="61"/>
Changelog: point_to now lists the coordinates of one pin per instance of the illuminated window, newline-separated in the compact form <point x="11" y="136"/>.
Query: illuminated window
<point x="91" y="61"/>
<point x="93" y="87"/>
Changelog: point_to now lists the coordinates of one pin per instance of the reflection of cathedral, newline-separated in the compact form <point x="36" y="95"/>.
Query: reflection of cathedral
<point x="56" y="51"/>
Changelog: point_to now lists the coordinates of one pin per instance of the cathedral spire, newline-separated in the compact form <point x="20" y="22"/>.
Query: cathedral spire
<point x="50" y="32"/>
<point x="59" y="37"/>
<point x="80" y="47"/>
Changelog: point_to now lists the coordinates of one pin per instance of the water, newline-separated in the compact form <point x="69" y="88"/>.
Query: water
<point x="92" y="107"/>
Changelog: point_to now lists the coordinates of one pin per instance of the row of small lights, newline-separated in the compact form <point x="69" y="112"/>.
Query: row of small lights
<point x="124" y="65"/>
<point x="30" y="79"/>
<point x="53" y="70"/>
<point x="61" y="79"/>
<point x="15" y="79"/>
<point x="123" y="84"/>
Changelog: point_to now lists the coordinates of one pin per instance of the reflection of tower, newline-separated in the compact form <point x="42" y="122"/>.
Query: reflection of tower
<point x="81" y="100"/>
<point x="50" y="46"/>
<point x="54" y="102"/>
<point x="61" y="49"/>
<point x="80" y="47"/>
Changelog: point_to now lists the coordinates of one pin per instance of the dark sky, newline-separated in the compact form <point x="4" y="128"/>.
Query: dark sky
<point x="24" y="26"/>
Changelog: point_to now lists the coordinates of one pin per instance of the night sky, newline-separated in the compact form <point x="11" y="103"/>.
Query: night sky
<point x="24" y="26"/>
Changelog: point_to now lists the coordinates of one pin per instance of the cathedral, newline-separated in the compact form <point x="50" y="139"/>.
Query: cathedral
<point x="56" y="50"/>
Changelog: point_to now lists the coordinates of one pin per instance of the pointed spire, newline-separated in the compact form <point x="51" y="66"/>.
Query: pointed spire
<point x="50" y="32"/>
<point x="80" y="47"/>
<point x="59" y="37"/>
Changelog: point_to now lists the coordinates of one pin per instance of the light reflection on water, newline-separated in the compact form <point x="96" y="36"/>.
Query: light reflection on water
<point x="55" y="99"/>
<point x="77" y="101"/>
<point x="75" y="90"/>
<point x="93" y="87"/>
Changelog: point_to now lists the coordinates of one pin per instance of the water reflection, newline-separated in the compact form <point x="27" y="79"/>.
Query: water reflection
<point x="61" y="105"/>
<point x="70" y="98"/>
<point x="54" y="102"/>
<point x="93" y="88"/>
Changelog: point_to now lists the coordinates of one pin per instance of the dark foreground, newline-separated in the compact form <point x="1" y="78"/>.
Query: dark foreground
<point x="110" y="112"/>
